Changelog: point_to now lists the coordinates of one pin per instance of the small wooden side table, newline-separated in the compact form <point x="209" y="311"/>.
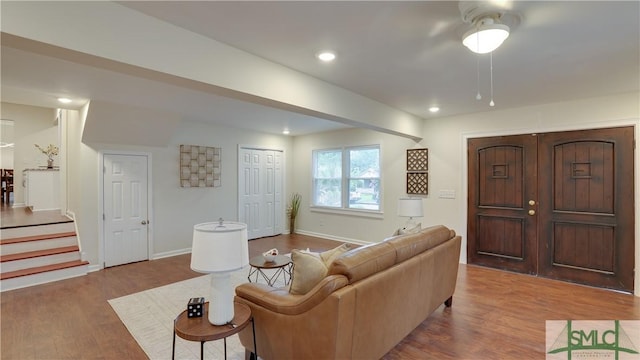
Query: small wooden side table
<point x="200" y="329"/>
<point x="282" y="264"/>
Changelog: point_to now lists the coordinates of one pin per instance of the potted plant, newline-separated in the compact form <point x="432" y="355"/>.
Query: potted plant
<point x="292" y="211"/>
<point x="50" y="151"/>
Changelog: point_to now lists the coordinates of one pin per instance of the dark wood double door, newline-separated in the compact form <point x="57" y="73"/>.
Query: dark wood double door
<point x="558" y="205"/>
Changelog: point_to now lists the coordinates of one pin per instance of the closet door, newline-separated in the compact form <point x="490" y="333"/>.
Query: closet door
<point x="260" y="191"/>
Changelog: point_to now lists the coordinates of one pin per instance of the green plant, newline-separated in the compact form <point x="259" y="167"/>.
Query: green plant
<point x="294" y="205"/>
<point x="292" y="211"/>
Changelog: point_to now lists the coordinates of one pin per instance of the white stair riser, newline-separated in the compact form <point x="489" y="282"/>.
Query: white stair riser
<point x="8" y="266"/>
<point x="26" y="246"/>
<point x="42" y="278"/>
<point x="24" y="231"/>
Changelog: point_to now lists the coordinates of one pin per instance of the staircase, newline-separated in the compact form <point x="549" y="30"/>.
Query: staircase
<point x="32" y="255"/>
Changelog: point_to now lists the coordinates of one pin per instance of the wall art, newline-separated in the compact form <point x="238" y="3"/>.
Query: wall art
<point x="200" y="166"/>
<point x="418" y="171"/>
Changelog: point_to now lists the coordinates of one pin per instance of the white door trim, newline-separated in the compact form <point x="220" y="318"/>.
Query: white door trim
<point x="101" y="156"/>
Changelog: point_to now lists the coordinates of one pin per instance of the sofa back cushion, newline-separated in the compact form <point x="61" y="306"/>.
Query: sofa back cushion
<point x="410" y="245"/>
<point x="361" y="262"/>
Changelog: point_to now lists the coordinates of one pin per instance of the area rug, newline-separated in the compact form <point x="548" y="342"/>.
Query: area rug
<point x="149" y="315"/>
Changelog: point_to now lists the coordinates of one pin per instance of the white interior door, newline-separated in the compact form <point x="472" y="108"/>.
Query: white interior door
<point x="125" y="209"/>
<point x="260" y="187"/>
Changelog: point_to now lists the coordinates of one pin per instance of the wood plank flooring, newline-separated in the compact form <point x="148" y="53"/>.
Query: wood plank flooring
<point x="495" y="314"/>
<point x="23" y="216"/>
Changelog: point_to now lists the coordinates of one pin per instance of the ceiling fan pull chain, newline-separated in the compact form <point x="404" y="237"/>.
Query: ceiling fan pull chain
<point x="478" y="96"/>
<point x="491" y="62"/>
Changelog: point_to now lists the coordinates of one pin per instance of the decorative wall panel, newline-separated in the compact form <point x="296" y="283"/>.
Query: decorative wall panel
<point x="200" y="166"/>
<point x="418" y="160"/>
<point x="418" y="171"/>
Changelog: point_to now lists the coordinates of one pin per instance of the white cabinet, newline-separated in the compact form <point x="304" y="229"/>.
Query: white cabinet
<point x="42" y="189"/>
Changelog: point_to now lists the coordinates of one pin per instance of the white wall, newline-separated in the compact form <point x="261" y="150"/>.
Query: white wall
<point x="174" y="209"/>
<point x="6" y="137"/>
<point x="32" y="125"/>
<point x="339" y="225"/>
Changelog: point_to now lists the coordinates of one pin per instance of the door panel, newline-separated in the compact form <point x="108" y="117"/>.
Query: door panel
<point x="125" y="209"/>
<point x="260" y="191"/>
<point x="575" y="221"/>
<point x="587" y="226"/>
<point x="502" y="180"/>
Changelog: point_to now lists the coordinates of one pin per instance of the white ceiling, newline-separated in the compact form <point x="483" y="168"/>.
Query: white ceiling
<point x="407" y="55"/>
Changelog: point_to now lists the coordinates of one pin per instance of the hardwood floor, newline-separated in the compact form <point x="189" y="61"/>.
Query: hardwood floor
<point x="495" y="314"/>
<point x="23" y="216"/>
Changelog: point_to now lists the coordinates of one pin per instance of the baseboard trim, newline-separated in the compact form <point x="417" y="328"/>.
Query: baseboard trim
<point x="171" y="253"/>
<point x="333" y="237"/>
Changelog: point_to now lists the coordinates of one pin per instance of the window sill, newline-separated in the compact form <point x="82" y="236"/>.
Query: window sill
<point x="349" y="212"/>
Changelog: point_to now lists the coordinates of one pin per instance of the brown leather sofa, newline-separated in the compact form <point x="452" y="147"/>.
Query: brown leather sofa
<point x="372" y="297"/>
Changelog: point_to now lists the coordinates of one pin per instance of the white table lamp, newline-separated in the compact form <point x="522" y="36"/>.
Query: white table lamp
<point x="410" y="207"/>
<point x="219" y="248"/>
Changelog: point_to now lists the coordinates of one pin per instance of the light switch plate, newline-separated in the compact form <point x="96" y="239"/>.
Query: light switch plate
<point x="447" y="194"/>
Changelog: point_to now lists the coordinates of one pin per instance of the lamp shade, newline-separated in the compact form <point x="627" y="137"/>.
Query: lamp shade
<point x="219" y="247"/>
<point x="410" y="207"/>
<point x="486" y="36"/>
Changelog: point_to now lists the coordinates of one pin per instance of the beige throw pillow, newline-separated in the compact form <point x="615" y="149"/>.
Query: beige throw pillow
<point x="330" y="255"/>
<point x="309" y="268"/>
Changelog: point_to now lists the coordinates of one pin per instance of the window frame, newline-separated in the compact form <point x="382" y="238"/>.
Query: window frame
<point x="345" y="178"/>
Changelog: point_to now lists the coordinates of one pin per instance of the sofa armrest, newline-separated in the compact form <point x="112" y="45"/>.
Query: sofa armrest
<point x="280" y="301"/>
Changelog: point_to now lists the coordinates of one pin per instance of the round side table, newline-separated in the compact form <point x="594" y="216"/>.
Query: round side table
<point x="282" y="264"/>
<point x="200" y="329"/>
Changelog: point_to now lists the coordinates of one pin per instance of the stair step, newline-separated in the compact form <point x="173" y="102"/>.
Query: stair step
<point x="30" y="259"/>
<point x="42" y="269"/>
<point x="37" y="237"/>
<point x="14" y="232"/>
<point x="37" y="242"/>
<point x="38" y="253"/>
<point x="79" y="268"/>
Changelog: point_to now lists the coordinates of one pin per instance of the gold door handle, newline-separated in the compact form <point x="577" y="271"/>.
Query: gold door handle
<point x="532" y="212"/>
<point x="531" y="202"/>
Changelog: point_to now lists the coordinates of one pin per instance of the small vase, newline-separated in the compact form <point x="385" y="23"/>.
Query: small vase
<point x="49" y="163"/>
<point x="292" y="224"/>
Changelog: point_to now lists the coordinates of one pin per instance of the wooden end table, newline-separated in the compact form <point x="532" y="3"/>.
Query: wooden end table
<point x="200" y="329"/>
<point x="281" y="263"/>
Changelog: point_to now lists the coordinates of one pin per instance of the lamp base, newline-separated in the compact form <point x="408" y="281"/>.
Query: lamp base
<point x="221" y="299"/>
<point x="410" y="224"/>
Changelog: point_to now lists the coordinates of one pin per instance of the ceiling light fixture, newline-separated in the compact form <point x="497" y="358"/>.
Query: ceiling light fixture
<point x="64" y="100"/>
<point x="434" y="109"/>
<point x="486" y="36"/>
<point x="326" y="56"/>
<point x="286" y="132"/>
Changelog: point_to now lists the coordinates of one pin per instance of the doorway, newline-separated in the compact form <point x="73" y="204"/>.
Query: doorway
<point x="260" y="185"/>
<point x="558" y="205"/>
<point x="125" y="208"/>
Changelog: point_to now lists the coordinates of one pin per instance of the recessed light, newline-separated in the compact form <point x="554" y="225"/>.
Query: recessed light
<point x="64" y="100"/>
<point x="434" y="109"/>
<point x="326" y="56"/>
<point x="285" y="131"/>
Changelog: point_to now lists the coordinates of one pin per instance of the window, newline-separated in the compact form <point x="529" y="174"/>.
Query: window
<point x="347" y="178"/>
